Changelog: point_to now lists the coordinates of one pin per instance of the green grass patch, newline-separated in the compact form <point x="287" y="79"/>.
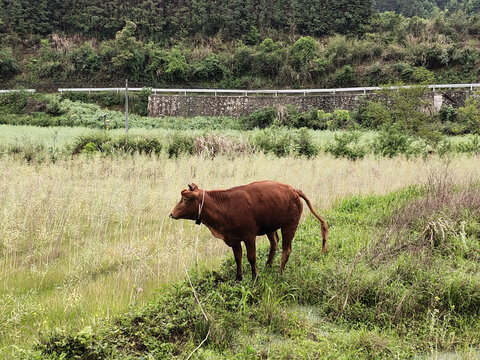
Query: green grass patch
<point x="400" y="280"/>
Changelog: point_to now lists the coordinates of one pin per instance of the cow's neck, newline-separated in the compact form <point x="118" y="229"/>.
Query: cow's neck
<point x="211" y="216"/>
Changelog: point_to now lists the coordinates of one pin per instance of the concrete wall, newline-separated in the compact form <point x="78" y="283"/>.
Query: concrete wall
<point x="236" y="106"/>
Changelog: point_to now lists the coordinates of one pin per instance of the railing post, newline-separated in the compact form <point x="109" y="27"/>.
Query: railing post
<point x="126" y="106"/>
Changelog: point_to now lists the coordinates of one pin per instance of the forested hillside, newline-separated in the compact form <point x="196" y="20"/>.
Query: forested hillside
<point x="239" y="43"/>
<point x="163" y="20"/>
<point x="427" y="7"/>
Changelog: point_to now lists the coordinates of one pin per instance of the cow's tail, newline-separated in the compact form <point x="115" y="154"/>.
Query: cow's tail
<point x="322" y="220"/>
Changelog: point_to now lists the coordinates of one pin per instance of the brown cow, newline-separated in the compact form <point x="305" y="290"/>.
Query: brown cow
<point x="244" y="212"/>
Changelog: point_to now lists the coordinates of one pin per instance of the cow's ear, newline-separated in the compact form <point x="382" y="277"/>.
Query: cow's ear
<point x="192" y="186"/>
<point x="189" y="196"/>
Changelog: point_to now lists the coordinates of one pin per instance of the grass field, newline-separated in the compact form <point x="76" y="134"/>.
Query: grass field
<point x="88" y="237"/>
<point x="85" y="238"/>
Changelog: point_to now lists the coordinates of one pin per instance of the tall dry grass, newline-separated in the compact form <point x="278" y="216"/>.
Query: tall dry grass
<point x="84" y="238"/>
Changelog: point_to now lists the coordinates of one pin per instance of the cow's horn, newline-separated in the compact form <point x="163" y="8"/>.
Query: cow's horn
<point x="192" y="186"/>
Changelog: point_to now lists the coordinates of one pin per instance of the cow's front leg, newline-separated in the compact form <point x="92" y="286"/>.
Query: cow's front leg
<point x="237" y="252"/>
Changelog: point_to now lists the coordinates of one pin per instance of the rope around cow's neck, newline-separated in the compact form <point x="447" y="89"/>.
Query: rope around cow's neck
<point x="200" y="208"/>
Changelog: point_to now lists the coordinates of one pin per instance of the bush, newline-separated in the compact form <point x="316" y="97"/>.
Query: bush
<point x="103" y="143"/>
<point x="347" y="145"/>
<point x="302" y="52"/>
<point x="304" y="143"/>
<point x="176" y="66"/>
<point x="14" y="102"/>
<point x="209" y="69"/>
<point x="242" y="61"/>
<point x="469" y="115"/>
<point x="261" y="118"/>
<point x="447" y="114"/>
<point x="391" y="141"/>
<point x="26" y="103"/>
<point x="269" y="58"/>
<point x="180" y="143"/>
<point x="472" y="146"/>
<point x="345" y="77"/>
<point x="8" y="64"/>
<point x="276" y="140"/>
<point x="85" y="60"/>
<point x="407" y="107"/>
<point x="312" y="120"/>
<point x="373" y="115"/>
<point x="282" y="141"/>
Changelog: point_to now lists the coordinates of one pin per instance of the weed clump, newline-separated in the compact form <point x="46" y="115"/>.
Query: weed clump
<point x="212" y="145"/>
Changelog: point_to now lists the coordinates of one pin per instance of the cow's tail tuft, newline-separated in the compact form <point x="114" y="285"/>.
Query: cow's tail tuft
<point x="323" y="223"/>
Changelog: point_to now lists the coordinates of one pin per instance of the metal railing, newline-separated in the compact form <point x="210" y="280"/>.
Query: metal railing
<point x="355" y="90"/>
<point x="9" y="91"/>
<point x="216" y="92"/>
<point x="89" y="90"/>
<point x="363" y="90"/>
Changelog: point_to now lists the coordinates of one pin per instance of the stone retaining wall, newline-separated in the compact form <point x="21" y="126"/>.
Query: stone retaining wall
<point x="236" y="106"/>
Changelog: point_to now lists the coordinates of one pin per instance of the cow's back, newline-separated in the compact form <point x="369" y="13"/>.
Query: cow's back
<point x="262" y="207"/>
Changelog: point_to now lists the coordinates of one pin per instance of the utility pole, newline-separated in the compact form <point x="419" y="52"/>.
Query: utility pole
<point x="126" y="106"/>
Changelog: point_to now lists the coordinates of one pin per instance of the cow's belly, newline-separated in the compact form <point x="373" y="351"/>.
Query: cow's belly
<point x="264" y="231"/>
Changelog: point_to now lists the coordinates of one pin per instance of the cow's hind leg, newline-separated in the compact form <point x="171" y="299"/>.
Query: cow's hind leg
<point x="237" y="252"/>
<point x="273" y="237"/>
<point x="288" y="232"/>
<point x="252" y="256"/>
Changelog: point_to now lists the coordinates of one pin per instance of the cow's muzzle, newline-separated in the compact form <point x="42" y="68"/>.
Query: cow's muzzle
<point x="171" y="215"/>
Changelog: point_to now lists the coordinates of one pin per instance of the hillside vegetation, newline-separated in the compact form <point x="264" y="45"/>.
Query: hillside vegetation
<point x="299" y="43"/>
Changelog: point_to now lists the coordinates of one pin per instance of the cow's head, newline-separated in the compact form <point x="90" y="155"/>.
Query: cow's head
<point x="187" y="208"/>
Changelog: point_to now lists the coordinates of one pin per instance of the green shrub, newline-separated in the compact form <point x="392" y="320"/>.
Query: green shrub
<point x="375" y="116"/>
<point x="469" y="115"/>
<point x="252" y="36"/>
<point x="14" y="102"/>
<point x="305" y="144"/>
<point x="269" y="58"/>
<point x="314" y="119"/>
<point x="391" y="141"/>
<point x="277" y="140"/>
<point x="345" y="77"/>
<point x="420" y="75"/>
<point x="176" y="66"/>
<point x="85" y="60"/>
<point x="93" y="142"/>
<point x="180" y="143"/>
<point x="89" y="148"/>
<point x="104" y="143"/>
<point x="8" y="64"/>
<point x="448" y="114"/>
<point x="209" y="69"/>
<point x="261" y="118"/>
<point x="472" y="146"/>
<point x="347" y="145"/>
<point x="406" y="107"/>
<point x="242" y="61"/>
<point x="302" y="52"/>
